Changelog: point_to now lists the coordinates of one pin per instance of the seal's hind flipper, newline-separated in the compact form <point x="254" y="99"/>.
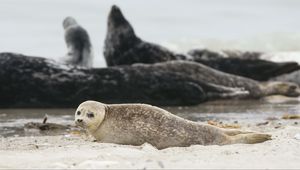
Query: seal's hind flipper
<point x="234" y="132"/>
<point x="250" y="138"/>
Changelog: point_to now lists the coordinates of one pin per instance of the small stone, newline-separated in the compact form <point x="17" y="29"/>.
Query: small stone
<point x="67" y="136"/>
<point x="263" y="123"/>
<point x="160" y="164"/>
<point x="297" y="136"/>
<point x="271" y="118"/>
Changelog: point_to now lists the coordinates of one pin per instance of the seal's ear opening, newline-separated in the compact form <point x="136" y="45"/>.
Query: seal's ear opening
<point x="116" y="18"/>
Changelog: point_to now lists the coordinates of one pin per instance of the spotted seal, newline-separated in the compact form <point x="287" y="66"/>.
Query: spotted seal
<point x="135" y="124"/>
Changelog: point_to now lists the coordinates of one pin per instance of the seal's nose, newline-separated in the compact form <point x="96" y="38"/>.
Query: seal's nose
<point x="79" y="120"/>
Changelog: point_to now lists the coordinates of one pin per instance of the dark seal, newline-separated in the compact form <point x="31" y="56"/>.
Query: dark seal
<point x="243" y="63"/>
<point x="38" y="82"/>
<point x="123" y="47"/>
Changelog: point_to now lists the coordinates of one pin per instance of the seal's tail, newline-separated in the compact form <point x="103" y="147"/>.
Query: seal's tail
<point x="250" y="138"/>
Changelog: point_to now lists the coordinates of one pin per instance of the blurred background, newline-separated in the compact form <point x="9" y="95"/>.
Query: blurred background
<point x="34" y="27"/>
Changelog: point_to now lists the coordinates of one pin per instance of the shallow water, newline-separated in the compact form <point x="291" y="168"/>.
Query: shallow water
<point x="12" y="121"/>
<point x="244" y="112"/>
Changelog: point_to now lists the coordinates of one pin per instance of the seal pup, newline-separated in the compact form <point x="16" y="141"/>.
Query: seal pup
<point x="80" y="51"/>
<point x="136" y="124"/>
<point x="123" y="47"/>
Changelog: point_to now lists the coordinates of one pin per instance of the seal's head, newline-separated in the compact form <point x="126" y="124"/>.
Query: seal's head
<point x="69" y="21"/>
<point x="90" y="115"/>
<point x="117" y="23"/>
<point x="116" y="18"/>
<point x="282" y="88"/>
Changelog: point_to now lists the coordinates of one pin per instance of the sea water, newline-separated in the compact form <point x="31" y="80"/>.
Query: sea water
<point x="243" y="112"/>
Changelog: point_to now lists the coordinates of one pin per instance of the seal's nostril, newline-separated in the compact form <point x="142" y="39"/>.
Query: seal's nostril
<point x="79" y="120"/>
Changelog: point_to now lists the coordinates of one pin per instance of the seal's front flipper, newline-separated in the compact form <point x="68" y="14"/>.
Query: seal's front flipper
<point x="222" y="92"/>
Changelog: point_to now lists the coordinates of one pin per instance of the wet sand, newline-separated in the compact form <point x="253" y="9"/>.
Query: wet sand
<point x="73" y="150"/>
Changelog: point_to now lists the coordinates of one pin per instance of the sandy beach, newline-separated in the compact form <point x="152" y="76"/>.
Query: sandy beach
<point x="75" y="151"/>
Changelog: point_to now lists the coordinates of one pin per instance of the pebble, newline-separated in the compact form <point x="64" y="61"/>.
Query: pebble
<point x="297" y="136"/>
<point x="93" y="164"/>
<point x="160" y="164"/>
<point x="263" y="123"/>
<point x="67" y="136"/>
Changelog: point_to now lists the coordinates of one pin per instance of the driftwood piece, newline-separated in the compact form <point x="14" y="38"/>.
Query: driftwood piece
<point x="46" y="126"/>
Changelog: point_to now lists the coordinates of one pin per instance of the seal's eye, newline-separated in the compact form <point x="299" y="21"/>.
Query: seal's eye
<point x="78" y="113"/>
<point x="293" y="87"/>
<point x="90" y="115"/>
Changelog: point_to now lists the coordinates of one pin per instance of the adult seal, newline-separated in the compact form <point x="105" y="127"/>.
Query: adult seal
<point x="124" y="47"/>
<point x="243" y="63"/>
<point x="136" y="124"/>
<point x="80" y="51"/>
<point x="200" y="72"/>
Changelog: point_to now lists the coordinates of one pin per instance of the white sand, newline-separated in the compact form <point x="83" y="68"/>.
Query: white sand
<point x="283" y="152"/>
